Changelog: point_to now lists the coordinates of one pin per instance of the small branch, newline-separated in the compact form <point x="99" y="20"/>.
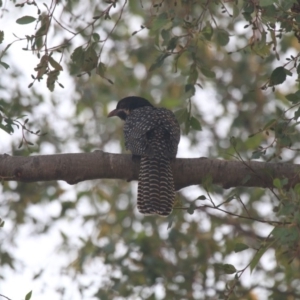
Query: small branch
<point x="243" y="217"/>
<point x="4" y="297"/>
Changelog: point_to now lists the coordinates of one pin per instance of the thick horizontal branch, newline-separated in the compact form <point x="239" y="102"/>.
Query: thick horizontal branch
<point x="77" y="167"/>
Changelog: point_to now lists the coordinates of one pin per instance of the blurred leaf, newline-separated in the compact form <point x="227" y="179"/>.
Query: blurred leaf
<point x="181" y="115"/>
<point x="256" y="154"/>
<point x="298" y="69"/>
<point x="229" y="269"/>
<point x="240" y="247"/>
<point x="233" y="141"/>
<point x="55" y="64"/>
<point x="195" y="124"/>
<point x="263" y="3"/>
<point x="28" y="296"/>
<point x="297" y="188"/>
<point x="172" y="43"/>
<point x="294" y="98"/>
<point x="160" y="21"/>
<point x="3" y="64"/>
<point x="286" y="235"/>
<point x="52" y="76"/>
<point x="277" y="183"/>
<point x="278" y="76"/>
<point x="191" y="209"/>
<point x="222" y="37"/>
<point x="25" y="20"/>
<point x="208" y="73"/>
<point x="256" y="258"/>
<point x="90" y="59"/>
<point x="270" y="124"/>
<point x="96" y="37"/>
<point x="101" y="69"/>
<point x="208" y="31"/>
<point x="297" y="114"/>
<point x="159" y="62"/>
<point x="78" y="56"/>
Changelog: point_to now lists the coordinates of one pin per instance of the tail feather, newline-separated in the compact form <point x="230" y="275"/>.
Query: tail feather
<point x="156" y="192"/>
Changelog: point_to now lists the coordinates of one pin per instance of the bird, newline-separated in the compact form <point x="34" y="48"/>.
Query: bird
<point x="152" y="134"/>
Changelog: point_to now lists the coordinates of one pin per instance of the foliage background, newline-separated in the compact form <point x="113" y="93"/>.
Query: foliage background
<point x="229" y="68"/>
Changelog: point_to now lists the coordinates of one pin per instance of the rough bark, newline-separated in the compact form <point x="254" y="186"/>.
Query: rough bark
<point x="77" y="167"/>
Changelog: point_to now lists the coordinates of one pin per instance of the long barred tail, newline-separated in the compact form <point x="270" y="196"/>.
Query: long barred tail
<point x="156" y="192"/>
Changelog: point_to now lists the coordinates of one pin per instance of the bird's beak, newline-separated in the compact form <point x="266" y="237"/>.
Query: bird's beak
<point x="113" y="113"/>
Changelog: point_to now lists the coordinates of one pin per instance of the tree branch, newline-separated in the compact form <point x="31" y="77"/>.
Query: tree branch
<point x="76" y="167"/>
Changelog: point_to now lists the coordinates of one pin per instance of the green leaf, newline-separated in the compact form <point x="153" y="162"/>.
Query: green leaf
<point x="96" y="37"/>
<point x="229" y="269"/>
<point x="287" y="4"/>
<point x="297" y="188"/>
<point x="165" y="34"/>
<point x="277" y="183"/>
<point x="52" y="76"/>
<point x="263" y="3"/>
<point x="181" y="115"/>
<point x="270" y="124"/>
<point x="159" y="62"/>
<point x="3" y="64"/>
<point x="90" y="59"/>
<point x="28" y="295"/>
<point x="1" y="36"/>
<point x="262" y="49"/>
<point x="55" y="64"/>
<point x="248" y="7"/>
<point x="233" y="141"/>
<point x="294" y="98"/>
<point x="284" y="140"/>
<point x="208" y="31"/>
<point x="170" y="223"/>
<point x="298" y="69"/>
<point x="256" y="154"/>
<point x="246" y="179"/>
<point x="25" y="20"/>
<point x="160" y="21"/>
<point x="222" y="37"/>
<point x="257" y="256"/>
<point x="6" y="129"/>
<point x="45" y="22"/>
<point x="172" y="43"/>
<point x="286" y="235"/>
<point x="288" y="72"/>
<point x="193" y="76"/>
<point x="195" y="124"/>
<point x="101" y="69"/>
<point x="227" y="200"/>
<point x="297" y="114"/>
<point x="208" y="73"/>
<point x="189" y="90"/>
<point x="191" y="209"/>
<point x="207" y="182"/>
<point x="278" y="76"/>
<point x="284" y="181"/>
<point x="240" y="247"/>
<point x="78" y="56"/>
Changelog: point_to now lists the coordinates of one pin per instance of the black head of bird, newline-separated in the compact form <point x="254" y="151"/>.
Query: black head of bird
<point x="126" y="105"/>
